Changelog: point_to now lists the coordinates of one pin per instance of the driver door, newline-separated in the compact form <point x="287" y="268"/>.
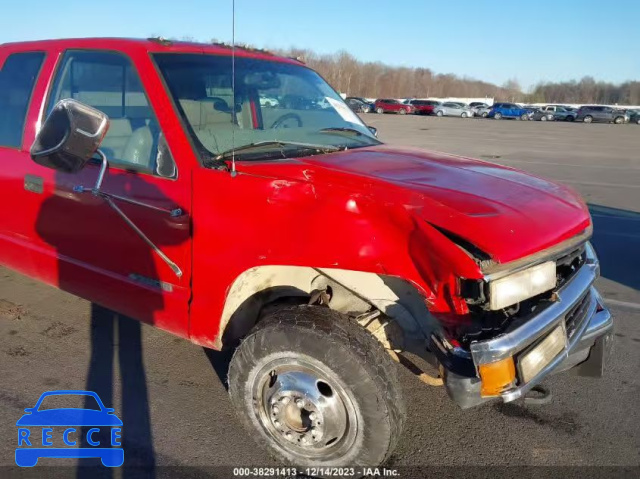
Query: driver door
<point x="99" y="255"/>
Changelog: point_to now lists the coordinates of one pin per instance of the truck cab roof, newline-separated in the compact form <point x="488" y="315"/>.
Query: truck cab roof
<point x="155" y="45"/>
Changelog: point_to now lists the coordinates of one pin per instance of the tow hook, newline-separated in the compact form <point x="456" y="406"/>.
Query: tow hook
<point x="538" y="396"/>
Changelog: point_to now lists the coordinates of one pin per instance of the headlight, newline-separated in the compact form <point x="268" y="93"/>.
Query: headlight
<point x="519" y="286"/>
<point x="535" y="360"/>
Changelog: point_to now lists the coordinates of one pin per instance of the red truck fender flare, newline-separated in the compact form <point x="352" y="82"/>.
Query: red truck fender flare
<point x="352" y="291"/>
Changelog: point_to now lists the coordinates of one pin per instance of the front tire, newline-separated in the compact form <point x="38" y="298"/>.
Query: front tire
<point x="619" y="120"/>
<point x="317" y="389"/>
<point x="379" y="111"/>
<point x="588" y="119"/>
<point x="439" y="113"/>
<point x="497" y="116"/>
<point x="463" y="115"/>
<point x="402" y="111"/>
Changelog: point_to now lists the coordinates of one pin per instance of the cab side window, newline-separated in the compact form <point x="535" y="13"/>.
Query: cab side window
<point x="109" y="82"/>
<point x="17" y="79"/>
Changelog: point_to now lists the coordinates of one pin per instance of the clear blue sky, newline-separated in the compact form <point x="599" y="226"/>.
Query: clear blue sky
<point x="491" y="40"/>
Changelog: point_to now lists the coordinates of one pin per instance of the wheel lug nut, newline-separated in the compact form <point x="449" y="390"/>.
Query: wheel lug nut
<point x="276" y="409"/>
<point x="300" y="403"/>
<point x="285" y="400"/>
<point x="288" y="435"/>
<point x="313" y="416"/>
<point x="304" y="440"/>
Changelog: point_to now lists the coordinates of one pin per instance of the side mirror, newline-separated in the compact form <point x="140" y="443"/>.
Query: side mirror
<point x="373" y="130"/>
<point x="70" y="136"/>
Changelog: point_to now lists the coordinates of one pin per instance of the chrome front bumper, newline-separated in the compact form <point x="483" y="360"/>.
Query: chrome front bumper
<point x="588" y="343"/>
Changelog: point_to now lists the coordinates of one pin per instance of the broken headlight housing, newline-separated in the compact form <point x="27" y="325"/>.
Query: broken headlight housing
<point x="522" y="285"/>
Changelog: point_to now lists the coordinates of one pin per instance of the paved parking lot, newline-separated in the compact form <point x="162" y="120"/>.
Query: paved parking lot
<point x="175" y="408"/>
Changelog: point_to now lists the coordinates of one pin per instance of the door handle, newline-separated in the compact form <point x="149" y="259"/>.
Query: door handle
<point x="178" y="217"/>
<point x="34" y="184"/>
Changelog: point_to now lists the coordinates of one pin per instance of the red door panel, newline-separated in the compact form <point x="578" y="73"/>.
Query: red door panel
<point x="77" y="242"/>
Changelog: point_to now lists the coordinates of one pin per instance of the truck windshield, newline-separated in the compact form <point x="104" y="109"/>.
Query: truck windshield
<point x="274" y="102"/>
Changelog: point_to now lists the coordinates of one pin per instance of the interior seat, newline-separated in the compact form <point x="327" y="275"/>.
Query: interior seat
<point x="117" y="137"/>
<point x="139" y="148"/>
<point x="205" y="114"/>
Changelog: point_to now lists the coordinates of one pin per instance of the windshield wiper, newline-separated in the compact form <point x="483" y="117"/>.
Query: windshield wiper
<point x="281" y="144"/>
<point x="365" y="140"/>
<point x="342" y="129"/>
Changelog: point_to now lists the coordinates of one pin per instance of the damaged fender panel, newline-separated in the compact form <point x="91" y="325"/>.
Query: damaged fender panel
<point x="352" y="292"/>
<point x="282" y="238"/>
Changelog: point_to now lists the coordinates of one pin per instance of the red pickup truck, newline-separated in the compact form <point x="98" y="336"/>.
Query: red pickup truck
<point x="145" y="176"/>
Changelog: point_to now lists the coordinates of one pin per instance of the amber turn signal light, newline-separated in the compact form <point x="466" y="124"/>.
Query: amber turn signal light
<point x="497" y="376"/>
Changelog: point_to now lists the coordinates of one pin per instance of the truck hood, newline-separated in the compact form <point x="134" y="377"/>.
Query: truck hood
<point x="504" y="212"/>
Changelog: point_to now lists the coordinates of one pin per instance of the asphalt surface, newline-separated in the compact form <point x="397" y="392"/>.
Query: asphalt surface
<point x="174" y="405"/>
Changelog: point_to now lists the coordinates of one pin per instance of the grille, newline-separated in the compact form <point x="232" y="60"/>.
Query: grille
<point x="569" y="264"/>
<point x="577" y="314"/>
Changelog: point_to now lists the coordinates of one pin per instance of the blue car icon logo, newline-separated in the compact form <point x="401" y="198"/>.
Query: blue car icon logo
<point x="36" y="434"/>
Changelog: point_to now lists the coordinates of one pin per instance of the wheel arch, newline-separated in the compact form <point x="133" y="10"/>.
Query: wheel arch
<point x="351" y="292"/>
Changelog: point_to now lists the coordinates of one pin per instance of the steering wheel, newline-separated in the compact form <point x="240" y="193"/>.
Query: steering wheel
<point x="279" y="123"/>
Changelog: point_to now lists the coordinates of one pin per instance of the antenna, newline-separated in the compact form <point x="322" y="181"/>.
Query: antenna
<point x="233" y="88"/>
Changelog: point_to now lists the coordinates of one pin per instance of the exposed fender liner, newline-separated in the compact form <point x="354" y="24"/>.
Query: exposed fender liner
<point x="353" y="291"/>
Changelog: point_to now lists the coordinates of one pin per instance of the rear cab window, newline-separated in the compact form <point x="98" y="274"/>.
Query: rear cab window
<point x="18" y="77"/>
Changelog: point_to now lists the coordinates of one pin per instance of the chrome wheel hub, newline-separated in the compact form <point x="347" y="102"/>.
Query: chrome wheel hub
<point x="304" y="411"/>
<point x="296" y="418"/>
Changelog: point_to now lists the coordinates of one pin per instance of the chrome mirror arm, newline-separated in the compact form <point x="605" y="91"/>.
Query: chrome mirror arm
<point x="174" y="267"/>
<point x="103" y="170"/>
<point x="109" y="199"/>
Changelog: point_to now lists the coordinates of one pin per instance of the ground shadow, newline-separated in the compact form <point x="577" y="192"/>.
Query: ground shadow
<point x="116" y="337"/>
<point x="97" y="256"/>
<point x="220" y="361"/>
<point x="616" y="239"/>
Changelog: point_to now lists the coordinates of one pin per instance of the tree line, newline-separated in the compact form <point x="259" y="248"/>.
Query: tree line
<point x="376" y="80"/>
<point x="353" y="77"/>
<point x="587" y="90"/>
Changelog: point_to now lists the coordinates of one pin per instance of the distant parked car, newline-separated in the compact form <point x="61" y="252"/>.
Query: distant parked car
<point x="560" y="112"/>
<point x="509" y="110"/>
<point x="451" y="108"/>
<point x="322" y="103"/>
<point x="370" y="105"/>
<point x="269" y="102"/>
<point x="477" y="104"/>
<point x="481" y="110"/>
<point x="358" y="106"/>
<point x="423" y="107"/>
<point x="387" y="105"/>
<point x="298" y="102"/>
<point x="538" y="114"/>
<point x="634" y="116"/>
<point x="601" y="114"/>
